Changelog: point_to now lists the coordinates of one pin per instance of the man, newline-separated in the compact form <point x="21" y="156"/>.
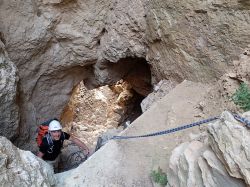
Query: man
<point x="52" y="143"/>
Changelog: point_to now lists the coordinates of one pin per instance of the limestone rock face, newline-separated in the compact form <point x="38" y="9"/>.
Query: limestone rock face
<point x="9" y="116"/>
<point x="222" y="160"/>
<point x="183" y="160"/>
<point x="92" y="112"/>
<point x="196" y="40"/>
<point x="55" y="44"/>
<point x="242" y="68"/>
<point x="22" y="168"/>
<point x="130" y="162"/>
<point x="160" y="90"/>
<point x="230" y="141"/>
<point x="53" y="1"/>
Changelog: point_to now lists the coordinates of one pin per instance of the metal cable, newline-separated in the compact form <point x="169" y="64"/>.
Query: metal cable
<point x="169" y="131"/>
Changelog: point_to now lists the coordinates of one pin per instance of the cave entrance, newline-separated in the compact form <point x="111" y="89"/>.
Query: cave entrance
<point x="106" y="110"/>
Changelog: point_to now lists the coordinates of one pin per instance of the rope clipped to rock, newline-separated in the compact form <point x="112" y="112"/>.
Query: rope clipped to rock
<point x="242" y="120"/>
<point x="173" y="130"/>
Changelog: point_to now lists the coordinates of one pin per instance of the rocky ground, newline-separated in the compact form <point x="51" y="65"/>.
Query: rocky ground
<point x="100" y="112"/>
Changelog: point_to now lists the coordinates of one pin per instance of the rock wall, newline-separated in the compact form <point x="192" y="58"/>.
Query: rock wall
<point x="54" y="43"/>
<point x="9" y="116"/>
<point x="222" y="160"/>
<point x="90" y="113"/>
<point x="22" y="168"/>
<point x="57" y="43"/>
<point x="130" y="162"/>
<point x="196" y="40"/>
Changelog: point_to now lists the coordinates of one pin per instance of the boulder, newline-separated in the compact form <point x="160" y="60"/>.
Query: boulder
<point x="57" y="43"/>
<point x="230" y="141"/>
<point x="222" y="159"/>
<point x="23" y="168"/>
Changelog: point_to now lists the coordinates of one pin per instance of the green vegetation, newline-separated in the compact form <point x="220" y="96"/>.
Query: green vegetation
<point x="242" y="97"/>
<point x="159" y="177"/>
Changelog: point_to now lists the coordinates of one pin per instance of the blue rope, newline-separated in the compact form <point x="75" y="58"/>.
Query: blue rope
<point x="169" y="131"/>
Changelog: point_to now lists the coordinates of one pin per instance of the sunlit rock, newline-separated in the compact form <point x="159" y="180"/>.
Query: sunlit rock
<point x="23" y="168"/>
<point x="221" y="161"/>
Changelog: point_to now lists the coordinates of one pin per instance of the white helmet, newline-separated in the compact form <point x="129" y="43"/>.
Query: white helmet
<point x="54" y="125"/>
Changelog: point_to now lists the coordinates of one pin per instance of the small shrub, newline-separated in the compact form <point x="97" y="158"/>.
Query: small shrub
<point x="242" y="97"/>
<point x="159" y="177"/>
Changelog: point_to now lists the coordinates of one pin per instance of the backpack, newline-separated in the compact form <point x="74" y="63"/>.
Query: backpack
<point x="42" y="131"/>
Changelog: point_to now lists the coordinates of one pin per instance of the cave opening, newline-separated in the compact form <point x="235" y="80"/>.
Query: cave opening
<point x="98" y="111"/>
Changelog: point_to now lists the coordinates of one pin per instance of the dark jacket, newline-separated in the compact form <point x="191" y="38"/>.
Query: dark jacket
<point x="52" y="150"/>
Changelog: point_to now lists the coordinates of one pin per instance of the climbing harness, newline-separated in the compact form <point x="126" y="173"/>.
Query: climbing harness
<point x="49" y="140"/>
<point x="169" y="131"/>
<point x="50" y="150"/>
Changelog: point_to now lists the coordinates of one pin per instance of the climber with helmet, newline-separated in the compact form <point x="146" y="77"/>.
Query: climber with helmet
<point x="52" y="143"/>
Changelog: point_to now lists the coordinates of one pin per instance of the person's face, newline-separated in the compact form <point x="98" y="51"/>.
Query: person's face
<point x="56" y="134"/>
